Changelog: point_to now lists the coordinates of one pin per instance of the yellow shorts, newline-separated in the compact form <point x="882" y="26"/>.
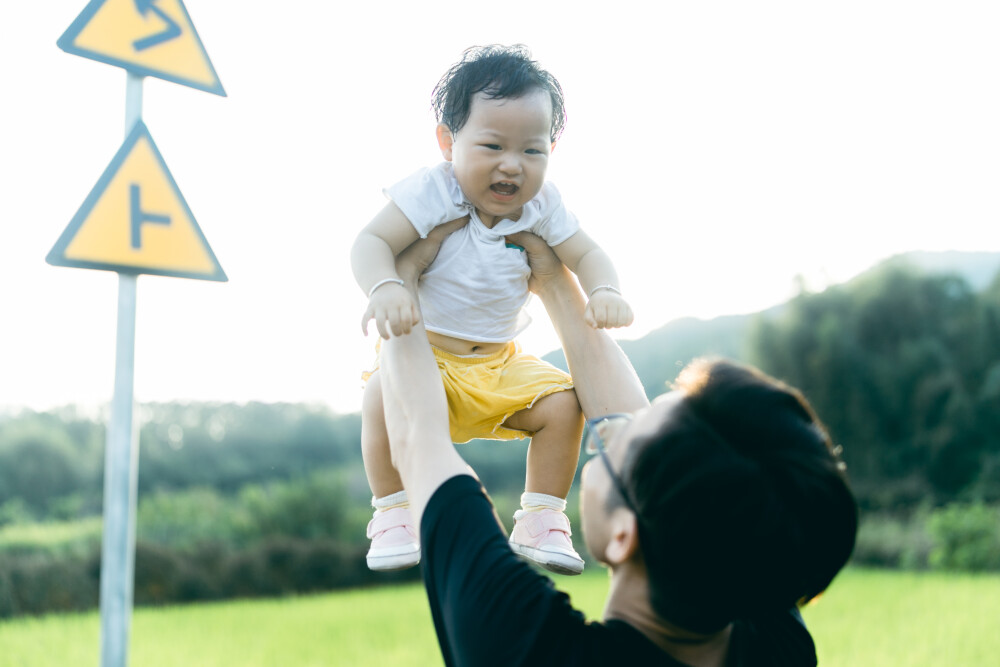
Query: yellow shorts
<point x="484" y="391"/>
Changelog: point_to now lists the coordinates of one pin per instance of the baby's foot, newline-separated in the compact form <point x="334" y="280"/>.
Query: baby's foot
<point x="542" y="536"/>
<point x="395" y="545"/>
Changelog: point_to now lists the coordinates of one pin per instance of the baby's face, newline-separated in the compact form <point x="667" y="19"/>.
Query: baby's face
<point x="501" y="153"/>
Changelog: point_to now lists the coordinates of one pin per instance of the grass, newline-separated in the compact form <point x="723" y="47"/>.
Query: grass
<point x="873" y="617"/>
<point x="868" y="617"/>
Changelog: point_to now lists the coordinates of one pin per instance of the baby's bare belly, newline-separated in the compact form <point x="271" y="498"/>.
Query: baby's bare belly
<point x="463" y="347"/>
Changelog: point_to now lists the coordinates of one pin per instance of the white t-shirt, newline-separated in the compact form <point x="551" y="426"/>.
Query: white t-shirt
<point x="477" y="287"/>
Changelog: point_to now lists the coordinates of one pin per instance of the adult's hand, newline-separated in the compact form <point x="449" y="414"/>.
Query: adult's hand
<point x="603" y="378"/>
<point x="419" y="255"/>
<point x="545" y="266"/>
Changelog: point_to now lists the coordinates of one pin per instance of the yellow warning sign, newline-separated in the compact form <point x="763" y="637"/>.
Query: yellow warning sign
<point x="135" y="220"/>
<point x="146" y="37"/>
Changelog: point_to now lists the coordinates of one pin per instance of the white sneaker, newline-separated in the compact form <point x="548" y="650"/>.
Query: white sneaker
<point x="395" y="545"/>
<point x="542" y="537"/>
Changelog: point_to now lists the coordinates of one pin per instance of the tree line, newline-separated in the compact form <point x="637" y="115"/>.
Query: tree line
<point x="51" y="464"/>
<point x="264" y="499"/>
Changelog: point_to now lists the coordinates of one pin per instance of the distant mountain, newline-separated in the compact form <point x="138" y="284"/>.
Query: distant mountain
<point x="659" y="355"/>
<point x="978" y="268"/>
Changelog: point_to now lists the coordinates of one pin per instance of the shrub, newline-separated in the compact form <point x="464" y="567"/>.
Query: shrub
<point x="308" y="508"/>
<point x="157" y="574"/>
<point x="283" y="566"/>
<point x="15" y="512"/>
<point x="185" y="519"/>
<point x="894" y="541"/>
<point x="966" y="537"/>
<point x="52" y="540"/>
<point x="281" y="538"/>
<point x="312" y="507"/>
<point x="7" y="606"/>
<point x="40" y="586"/>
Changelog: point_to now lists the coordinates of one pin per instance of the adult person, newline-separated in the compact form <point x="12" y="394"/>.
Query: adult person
<point x="718" y="510"/>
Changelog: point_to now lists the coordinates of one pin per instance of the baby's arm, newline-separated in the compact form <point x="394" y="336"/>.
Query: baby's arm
<point x="606" y="308"/>
<point x="373" y="259"/>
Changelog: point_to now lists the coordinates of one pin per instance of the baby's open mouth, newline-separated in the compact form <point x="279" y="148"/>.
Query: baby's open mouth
<point x="504" y="188"/>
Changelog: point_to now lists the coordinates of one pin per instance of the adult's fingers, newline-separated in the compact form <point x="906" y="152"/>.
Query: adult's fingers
<point x="442" y="231"/>
<point x="530" y="242"/>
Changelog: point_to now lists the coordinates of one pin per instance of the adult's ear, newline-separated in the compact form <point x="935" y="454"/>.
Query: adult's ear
<point x="445" y="140"/>
<point x="624" y="537"/>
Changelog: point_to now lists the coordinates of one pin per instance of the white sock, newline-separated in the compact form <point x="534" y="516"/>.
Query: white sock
<point x="532" y="502"/>
<point x="391" y="501"/>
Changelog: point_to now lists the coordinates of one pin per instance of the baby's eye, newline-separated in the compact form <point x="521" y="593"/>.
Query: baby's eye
<point x="533" y="151"/>
<point x="492" y="147"/>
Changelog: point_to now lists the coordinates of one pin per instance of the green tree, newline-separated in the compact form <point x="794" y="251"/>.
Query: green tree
<point x="894" y="362"/>
<point x="38" y="463"/>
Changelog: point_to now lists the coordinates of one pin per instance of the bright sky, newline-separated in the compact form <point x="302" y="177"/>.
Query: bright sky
<point x="715" y="149"/>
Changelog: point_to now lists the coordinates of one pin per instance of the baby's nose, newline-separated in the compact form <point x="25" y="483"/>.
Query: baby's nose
<point x="510" y="164"/>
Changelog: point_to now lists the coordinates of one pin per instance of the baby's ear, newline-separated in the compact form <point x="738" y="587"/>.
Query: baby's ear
<point x="552" y="149"/>
<point x="445" y="140"/>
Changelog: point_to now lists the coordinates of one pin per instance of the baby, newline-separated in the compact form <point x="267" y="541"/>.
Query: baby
<point x="499" y="117"/>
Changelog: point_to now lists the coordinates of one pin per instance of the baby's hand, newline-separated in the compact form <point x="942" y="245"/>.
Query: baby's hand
<point x="393" y="309"/>
<point x="607" y="310"/>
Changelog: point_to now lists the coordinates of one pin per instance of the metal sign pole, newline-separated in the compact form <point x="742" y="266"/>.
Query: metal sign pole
<point x="121" y="460"/>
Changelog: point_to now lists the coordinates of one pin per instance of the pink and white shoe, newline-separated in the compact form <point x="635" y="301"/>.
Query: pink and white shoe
<point x="395" y="545"/>
<point x="543" y="537"/>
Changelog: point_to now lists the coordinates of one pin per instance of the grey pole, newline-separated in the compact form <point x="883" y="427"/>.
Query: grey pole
<point x="121" y="460"/>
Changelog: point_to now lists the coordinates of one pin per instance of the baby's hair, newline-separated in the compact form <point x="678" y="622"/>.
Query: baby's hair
<point x="499" y="72"/>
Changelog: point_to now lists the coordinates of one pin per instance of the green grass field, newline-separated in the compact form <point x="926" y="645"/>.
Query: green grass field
<point x="868" y="617"/>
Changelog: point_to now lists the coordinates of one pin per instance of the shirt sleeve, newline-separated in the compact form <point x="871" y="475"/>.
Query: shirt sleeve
<point x="488" y="606"/>
<point x="555" y="222"/>
<point x="429" y="197"/>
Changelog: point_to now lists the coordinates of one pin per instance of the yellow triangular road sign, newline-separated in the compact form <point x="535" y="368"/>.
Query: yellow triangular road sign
<point x="146" y="37"/>
<point x="135" y="220"/>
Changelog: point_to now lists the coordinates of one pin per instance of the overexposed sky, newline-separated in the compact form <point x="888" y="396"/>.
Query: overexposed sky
<point x="715" y="149"/>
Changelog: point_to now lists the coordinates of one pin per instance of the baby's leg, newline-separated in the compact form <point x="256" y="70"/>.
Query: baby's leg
<point x="382" y="477"/>
<point x="557" y="423"/>
<point x="394" y="542"/>
<point x="541" y="529"/>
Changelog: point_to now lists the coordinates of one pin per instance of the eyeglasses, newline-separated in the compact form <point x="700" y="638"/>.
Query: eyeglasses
<point x="599" y="430"/>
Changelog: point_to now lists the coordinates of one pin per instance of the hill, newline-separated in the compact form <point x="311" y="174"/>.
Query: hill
<point x="979" y="269"/>
<point x="659" y="355"/>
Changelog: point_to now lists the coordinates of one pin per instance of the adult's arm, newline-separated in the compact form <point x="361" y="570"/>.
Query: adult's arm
<point x="416" y="416"/>
<point x="416" y="410"/>
<point x="603" y="377"/>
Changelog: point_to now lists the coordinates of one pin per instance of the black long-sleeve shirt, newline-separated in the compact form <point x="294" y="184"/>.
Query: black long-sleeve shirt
<point x="490" y="608"/>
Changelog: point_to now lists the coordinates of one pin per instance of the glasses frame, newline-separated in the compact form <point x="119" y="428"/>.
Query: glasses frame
<point x="594" y="444"/>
